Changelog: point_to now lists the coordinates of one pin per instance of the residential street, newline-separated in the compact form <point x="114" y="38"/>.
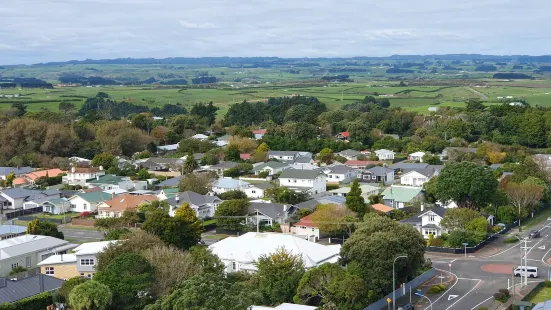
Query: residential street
<point x="81" y="235"/>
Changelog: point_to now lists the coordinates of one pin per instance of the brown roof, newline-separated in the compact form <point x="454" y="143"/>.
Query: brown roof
<point x="86" y="170"/>
<point x="126" y="201"/>
<point x="381" y="208"/>
<point x="43" y="173"/>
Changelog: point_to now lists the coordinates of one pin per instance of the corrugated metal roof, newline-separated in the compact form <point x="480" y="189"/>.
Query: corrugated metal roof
<point x="16" y="290"/>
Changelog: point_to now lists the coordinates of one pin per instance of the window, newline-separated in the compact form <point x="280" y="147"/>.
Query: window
<point x="85" y="206"/>
<point x="234" y="265"/>
<point x="294" y="181"/>
<point x="82" y="274"/>
<point x="253" y="191"/>
<point x="431" y="218"/>
<point x="90" y="276"/>
<point x="13" y="266"/>
<point x="87" y="262"/>
<point x="28" y="262"/>
<point x="50" y="271"/>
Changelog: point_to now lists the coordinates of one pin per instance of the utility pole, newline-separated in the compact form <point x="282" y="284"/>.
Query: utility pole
<point x="257" y="222"/>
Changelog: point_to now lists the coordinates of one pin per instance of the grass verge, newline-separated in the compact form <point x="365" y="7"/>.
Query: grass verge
<point x="542" y="216"/>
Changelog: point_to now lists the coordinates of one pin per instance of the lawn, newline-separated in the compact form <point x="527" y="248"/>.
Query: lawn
<point x="56" y="216"/>
<point x="209" y="222"/>
<point x="542" y="216"/>
<point x="543" y="295"/>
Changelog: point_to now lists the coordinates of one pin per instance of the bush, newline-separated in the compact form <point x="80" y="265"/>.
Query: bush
<point x="500" y="297"/>
<point x="510" y="240"/>
<point x="483" y="308"/>
<point x="547" y="283"/>
<point x="442" y="287"/>
<point x="17" y="270"/>
<point x="331" y="186"/>
<point x="438" y="241"/>
<point x="504" y="291"/>
<point x="85" y="214"/>
<point x="435" y="289"/>
<point x="264" y="174"/>
<point x="39" y="301"/>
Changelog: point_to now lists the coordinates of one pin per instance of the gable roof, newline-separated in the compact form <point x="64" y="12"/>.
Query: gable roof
<point x="127" y="201"/>
<point x="428" y="172"/>
<point x="344" y="134"/>
<point x="361" y="162"/>
<point x="381" y="151"/>
<point x="306" y="221"/>
<point x="92" y="248"/>
<point x="15" y="170"/>
<point x="282" y="153"/>
<point x="192" y="198"/>
<point x="300" y="174"/>
<point x="108" y="179"/>
<point x="270" y="164"/>
<point x="30" y="243"/>
<point x="94" y="196"/>
<point x="382" y="208"/>
<point x="417" y="154"/>
<point x="20" y="289"/>
<point x="230" y="183"/>
<point x="260" y="131"/>
<point x="440" y="211"/>
<point x="403" y="165"/>
<point x="43" y="173"/>
<point x="339" y="169"/>
<point x="272" y="210"/>
<point x="378" y="170"/>
<point x="85" y="170"/>
<point x="174" y="182"/>
<point x="245" y="156"/>
<point x="329" y="199"/>
<point x="366" y="188"/>
<point x="17" y="193"/>
<point x="401" y="193"/>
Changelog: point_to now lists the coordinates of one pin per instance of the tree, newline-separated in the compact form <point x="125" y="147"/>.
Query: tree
<point x="278" y="276"/>
<point x="474" y="105"/>
<point x="206" y="262"/>
<point x="231" y="195"/>
<point x="432" y="159"/>
<point x="36" y="227"/>
<point x="263" y="147"/>
<point x="190" y="164"/>
<point x="326" y="156"/>
<point x="459" y="218"/>
<point x="528" y="168"/>
<point x="506" y="214"/>
<point x="20" y="108"/>
<point x="68" y="286"/>
<point x="232" y="208"/>
<point x="479" y="225"/>
<point x="105" y="160"/>
<point x="143" y="174"/>
<point x="9" y="179"/>
<point x="209" y="159"/>
<point x="373" y="247"/>
<point x="334" y="219"/>
<point x="523" y="197"/>
<point x="173" y="230"/>
<point x="130" y="277"/>
<point x="199" y="183"/>
<point x="282" y="194"/>
<point x="354" y="199"/>
<point x="90" y="295"/>
<point x="115" y="234"/>
<point x="233" y="153"/>
<point x="468" y="184"/>
<point x="329" y="286"/>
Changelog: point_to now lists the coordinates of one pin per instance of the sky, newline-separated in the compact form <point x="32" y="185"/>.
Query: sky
<point x="33" y="31"/>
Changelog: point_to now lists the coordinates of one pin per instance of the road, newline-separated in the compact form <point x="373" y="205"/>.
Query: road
<point x="81" y="235"/>
<point x="476" y="92"/>
<point x="478" y="278"/>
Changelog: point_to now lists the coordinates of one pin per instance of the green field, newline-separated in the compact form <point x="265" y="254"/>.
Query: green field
<point x="543" y="295"/>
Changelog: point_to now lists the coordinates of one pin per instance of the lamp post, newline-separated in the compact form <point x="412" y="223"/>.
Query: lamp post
<point x="394" y="281"/>
<point x="423" y="296"/>
<point x="465" y="244"/>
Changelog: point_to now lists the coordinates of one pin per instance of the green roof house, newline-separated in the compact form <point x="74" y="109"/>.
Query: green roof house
<point x="272" y="167"/>
<point x="109" y="181"/>
<point x="88" y="202"/>
<point x="399" y="196"/>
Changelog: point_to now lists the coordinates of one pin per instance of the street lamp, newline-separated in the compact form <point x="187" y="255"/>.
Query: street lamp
<point x="465" y="244"/>
<point x="394" y="281"/>
<point x="525" y="260"/>
<point x="421" y="295"/>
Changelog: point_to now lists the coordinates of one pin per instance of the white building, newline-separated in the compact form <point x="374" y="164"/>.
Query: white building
<point x="283" y="155"/>
<point x="307" y="229"/>
<point x="417" y="177"/>
<point x="310" y="181"/>
<point x="203" y="205"/>
<point x="224" y="185"/>
<point x="272" y="167"/>
<point x="109" y="182"/>
<point x="200" y="137"/>
<point x="340" y="174"/>
<point x="88" y="202"/>
<point x="79" y="176"/>
<point x="385" y="154"/>
<point x="240" y="253"/>
<point x="417" y="156"/>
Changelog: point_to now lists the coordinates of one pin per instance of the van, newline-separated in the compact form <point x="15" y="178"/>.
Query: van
<point x="531" y="272"/>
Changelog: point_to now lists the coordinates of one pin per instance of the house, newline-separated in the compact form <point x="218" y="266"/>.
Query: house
<point x="27" y="250"/>
<point x="167" y="193"/>
<point x="417" y="156"/>
<point x="79" y="176"/>
<point x="361" y="164"/>
<point x="17" y="171"/>
<point x="399" y="196"/>
<point x="12" y="231"/>
<point x="203" y="205"/>
<point x="223" y="166"/>
<point x="80" y="162"/>
<point x="349" y="154"/>
<point x="385" y="154"/>
<point x="88" y="202"/>
<point x="161" y="164"/>
<point x="367" y="190"/>
<point x="303" y="162"/>
<point x="110" y="181"/>
<point x="272" y="167"/>
<point x="401" y="166"/>
<point x="259" y="133"/>
<point x="379" y="207"/>
<point x="224" y="185"/>
<point x="17" y="198"/>
<point x="172" y="182"/>
<point x="168" y="148"/>
<point x="377" y="174"/>
<point x="283" y="155"/>
<point x="32" y="177"/>
<point x="56" y="206"/>
<point x="417" y="177"/>
<point x="12" y="291"/>
<point x="245" y="156"/>
<point x="305" y="227"/>
<point x="343" y="136"/>
<point x="340" y="174"/>
<point x="240" y="253"/>
<point x="268" y="213"/>
<point x="116" y="206"/>
<point x="324" y="200"/>
<point x="257" y="190"/>
<point x="200" y="137"/>
<point x="310" y="181"/>
<point x="81" y="263"/>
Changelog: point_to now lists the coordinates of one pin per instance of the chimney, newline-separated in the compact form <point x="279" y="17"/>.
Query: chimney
<point x="101" y="168"/>
<point x="422" y="207"/>
<point x="177" y="198"/>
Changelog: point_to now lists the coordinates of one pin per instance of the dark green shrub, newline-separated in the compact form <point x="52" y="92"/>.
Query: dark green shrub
<point x="547" y="283"/>
<point x="435" y="289"/>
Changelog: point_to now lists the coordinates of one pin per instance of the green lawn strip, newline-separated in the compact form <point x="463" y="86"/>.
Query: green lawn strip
<point x="57" y="216"/>
<point x="209" y="222"/>
<point x="216" y="237"/>
<point x="542" y="216"/>
<point x="78" y="227"/>
<point x="543" y="295"/>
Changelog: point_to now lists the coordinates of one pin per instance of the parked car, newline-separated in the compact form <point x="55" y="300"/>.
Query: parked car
<point x="534" y="234"/>
<point x="406" y="307"/>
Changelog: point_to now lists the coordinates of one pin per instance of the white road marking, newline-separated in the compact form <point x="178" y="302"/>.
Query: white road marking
<point x="455" y="276"/>
<point x="514" y="246"/>
<point x="543" y="257"/>
<point x="465" y="294"/>
<point x="541" y="247"/>
<point x="453" y="260"/>
<point x="485" y="300"/>
<point x="450" y="297"/>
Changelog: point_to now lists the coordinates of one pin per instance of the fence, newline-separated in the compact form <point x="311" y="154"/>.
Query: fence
<point x="411" y="285"/>
<point x="43" y="219"/>
<point x="463" y="250"/>
<point x="22" y="212"/>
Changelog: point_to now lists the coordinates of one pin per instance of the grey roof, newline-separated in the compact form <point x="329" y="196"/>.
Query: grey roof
<point x="303" y="160"/>
<point x="414" y="220"/>
<point x="171" y="182"/>
<point x="329" y="199"/>
<point x="438" y="210"/>
<point x="431" y="226"/>
<point x="273" y="210"/>
<point x="282" y="153"/>
<point x="378" y="170"/>
<point x="270" y="164"/>
<point x="350" y="153"/>
<point x="299" y="174"/>
<point x="165" y="160"/>
<point x="495" y="166"/>
<point x="15" y="170"/>
<point x="225" y="165"/>
<point x="30" y="244"/>
<point x="16" y="290"/>
<point x="261" y="185"/>
<point x="10" y="229"/>
<point x="340" y="169"/>
<point x="17" y="193"/>
<point x="546" y="305"/>
<point x="192" y="198"/>
<point x="51" y="192"/>
<point x="403" y="165"/>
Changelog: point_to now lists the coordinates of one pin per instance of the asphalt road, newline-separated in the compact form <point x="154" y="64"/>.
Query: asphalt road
<point x="478" y="278"/>
<point x="81" y="235"/>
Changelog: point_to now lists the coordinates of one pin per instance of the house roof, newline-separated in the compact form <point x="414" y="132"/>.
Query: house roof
<point x="364" y="187"/>
<point x="300" y="174"/>
<point x="401" y="193"/>
<point x="378" y="170"/>
<point x="15" y="170"/>
<point x="344" y="134"/>
<point x="362" y="163"/>
<point x="12" y="229"/>
<point x="44" y="173"/>
<point x="225" y="165"/>
<point x="20" y="181"/>
<point x="260" y="132"/>
<point x="417" y="154"/>
<point x="261" y="185"/>
<point x="381" y="151"/>
<point x="108" y="179"/>
<point x="431" y="226"/>
<point x="339" y="169"/>
<point x="229" y="183"/>
<point x="306" y="221"/>
<point x="270" y="164"/>
<point x="16" y="290"/>
<point x="350" y="153"/>
<point x="58" y="259"/>
<point x="192" y="198"/>
<point x="329" y="199"/>
<point x="272" y="210"/>
<point x="169" y="147"/>
<point x="127" y="201"/>
<point x="58" y="201"/>
<point x="248" y="247"/>
<point x="86" y="170"/>
<point x="403" y="165"/>
<point x="282" y="153"/>
<point x="92" y="248"/>
<point x="17" y="193"/>
<point x="303" y="160"/>
<point x="381" y="208"/>
<point x="97" y="196"/>
<point x="428" y="172"/>
<point x="171" y="182"/>
<point x="29" y="244"/>
<point x="440" y="211"/>
<point x="199" y="136"/>
<point x="245" y="156"/>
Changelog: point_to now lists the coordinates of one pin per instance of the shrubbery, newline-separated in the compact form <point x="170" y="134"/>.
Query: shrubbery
<point x="502" y="296"/>
<point x="435" y="289"/>
<point x="510" y="240"/>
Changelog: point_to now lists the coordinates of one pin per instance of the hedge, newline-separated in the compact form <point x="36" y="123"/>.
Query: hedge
<point x="39" y="301"/>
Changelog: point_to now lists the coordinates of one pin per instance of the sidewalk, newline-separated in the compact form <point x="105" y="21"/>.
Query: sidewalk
<point x="443" y="277"/>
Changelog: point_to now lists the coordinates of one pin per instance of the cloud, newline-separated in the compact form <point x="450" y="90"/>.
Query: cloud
<point x="35" y="31"/>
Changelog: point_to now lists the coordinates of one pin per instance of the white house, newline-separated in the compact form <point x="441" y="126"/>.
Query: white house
<point x="240" y="253"/>
<point x="257" y="190"/>
<point x="200" y="137"/>
<point x="367" y="190"/>
<point x="224" y="185"/>
<point x="417" y="177"/>
<point x="268" y="213"/>
<point x="340" y="174"/>
<point x="383" y="154"/>
<point x="16" y="198"/>
<point x="311" y="181"/>
<point x="377" y="174"/>
<point x="417" y="156"/>
<point x="108" y="182"/>
<point x="88" y="202"/>
<point x="283" y="155"/>
<point x="203" y="205"/>
<point x="305" y="227"/>
<point x="272" y="167"/>
<point x="79" y="176"/>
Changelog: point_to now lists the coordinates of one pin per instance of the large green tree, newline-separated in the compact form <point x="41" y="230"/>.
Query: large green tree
<point x="237" y="208"/>
<point x="36" y="227"/>
<point x="105" y="160"/>
<point x="354" y="199"/>
<point x="199" y="183"/>
<point x="468" y="184"/>
<point x="459" y="218"/>
<point x="91" y="295"/>
<point x="190" y="164"/>
<point x="68" y="286"/>
<point x="130" y="277"/>
<point x="173" y="230"/>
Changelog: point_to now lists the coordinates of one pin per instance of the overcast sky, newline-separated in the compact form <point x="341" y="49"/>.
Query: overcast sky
<point x="33" y="31"/>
